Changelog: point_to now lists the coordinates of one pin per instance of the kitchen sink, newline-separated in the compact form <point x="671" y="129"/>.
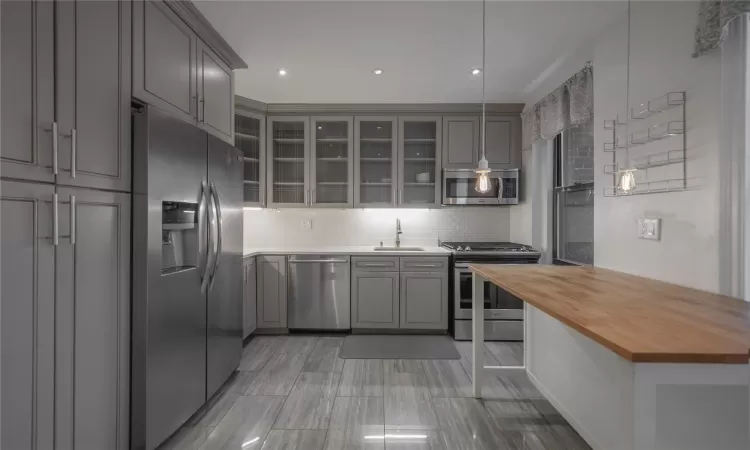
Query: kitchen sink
<point x="399" y="249"/>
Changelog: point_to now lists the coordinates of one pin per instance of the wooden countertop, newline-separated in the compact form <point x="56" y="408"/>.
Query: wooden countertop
<point x="640" y="319"/>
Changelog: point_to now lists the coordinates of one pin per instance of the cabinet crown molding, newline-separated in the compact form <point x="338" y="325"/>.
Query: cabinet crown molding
<point x="203" y="28"/>
<point x="244" y="103"/>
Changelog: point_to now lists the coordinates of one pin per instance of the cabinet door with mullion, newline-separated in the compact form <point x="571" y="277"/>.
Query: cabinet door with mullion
<point x="92" y="323"/>
<point x="93" y="93"/>
<point x="288" y="142"/>
<point x="332" y="161"/>
<point x="27" y="268"/>
<point x="28" y="85"/>
<point x="375" y="161"/>
<point x="419" y="162"/>
<point x="250" y="138"/>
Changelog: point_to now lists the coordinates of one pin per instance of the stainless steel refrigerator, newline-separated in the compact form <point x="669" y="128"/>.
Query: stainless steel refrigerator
<point x="187" y="272"/>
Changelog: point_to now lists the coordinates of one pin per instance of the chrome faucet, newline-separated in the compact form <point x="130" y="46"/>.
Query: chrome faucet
<point x="398" y="232"/>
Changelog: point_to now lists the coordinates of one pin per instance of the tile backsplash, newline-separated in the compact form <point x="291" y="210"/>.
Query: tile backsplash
<point x="330" y="227"/>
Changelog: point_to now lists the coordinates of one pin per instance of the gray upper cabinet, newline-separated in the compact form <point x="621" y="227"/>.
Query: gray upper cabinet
<point x="288" y="143"/>
<point x="272" y="291"/>
<point x="419" y="162"/>
<point x="28" y="109"/>
<point x="503" y="142"/>
<point x="375" y="162"/>
<point x="92" y="323"/>
<point x="164" y="59"/>
<point x="332" y="162"/>
<point x="460" y="141"/>
<point x="250" y="138"/>
<point x="28" y="314"/>
<point x="215" y="94"/>
<point x="375" y="298"/>
<point x="250" y="296"/>
<point x="93" y="93"/>
<point x="424" y="300"/>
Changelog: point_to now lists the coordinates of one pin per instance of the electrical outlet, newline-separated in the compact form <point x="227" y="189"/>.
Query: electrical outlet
<point x="307" y="224"/>
<point x="649" y="228"/>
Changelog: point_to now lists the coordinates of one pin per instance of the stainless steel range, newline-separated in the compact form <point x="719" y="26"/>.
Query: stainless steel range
<point x="503" y="312"/>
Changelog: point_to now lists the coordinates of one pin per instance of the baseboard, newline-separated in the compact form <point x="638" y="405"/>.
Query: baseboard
<point x="566" y="414"/>
<point x="396" y="331"/>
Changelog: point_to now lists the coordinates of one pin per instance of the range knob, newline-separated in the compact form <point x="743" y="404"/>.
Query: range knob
<point x="467" y="249"/>
<point x="459" y="248"/>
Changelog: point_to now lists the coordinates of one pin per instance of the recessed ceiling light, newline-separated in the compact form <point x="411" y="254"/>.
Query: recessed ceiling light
<point x="282" y="72"/>
<point x="378" y="71"/>
<point x="320" y="127"/>
<point x="476" y="71"/>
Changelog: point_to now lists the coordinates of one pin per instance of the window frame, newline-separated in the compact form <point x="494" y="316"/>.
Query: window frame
<point x="557" y="189"/>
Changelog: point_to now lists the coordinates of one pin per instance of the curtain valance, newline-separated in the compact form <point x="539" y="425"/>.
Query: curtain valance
<point x="569" y="105"/>
<point x="713" y="15"/>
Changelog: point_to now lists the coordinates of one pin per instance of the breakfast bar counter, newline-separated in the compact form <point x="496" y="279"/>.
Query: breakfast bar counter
<point x="632" y="363"/>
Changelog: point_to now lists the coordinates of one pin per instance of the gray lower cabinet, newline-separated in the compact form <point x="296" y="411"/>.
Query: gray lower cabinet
<point x="164" y="59"/>
<point x="249" y="298"/>
<point x="461" y="141"/>
<point x="92" y="320"/>
<point x="272" y="292"/>
<point x="424" y="300"/>
<point x="65" y="318"/>
<point x="375" y="299"/>
<point x="27" y="310"/>
<point x="28" y="101"/>
<point x="93" y="93"/>
<point x="215" y="94"/>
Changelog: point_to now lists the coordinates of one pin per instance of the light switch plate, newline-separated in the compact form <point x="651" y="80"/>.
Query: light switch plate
<point x="307" y="224"/>
<point x="649" y="228"/>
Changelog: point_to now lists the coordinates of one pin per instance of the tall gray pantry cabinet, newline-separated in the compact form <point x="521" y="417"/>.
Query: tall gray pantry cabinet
<point x="65" y="246"/>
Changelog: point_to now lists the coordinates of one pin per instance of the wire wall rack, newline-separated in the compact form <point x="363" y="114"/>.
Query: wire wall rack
<point x="654" y="151"/>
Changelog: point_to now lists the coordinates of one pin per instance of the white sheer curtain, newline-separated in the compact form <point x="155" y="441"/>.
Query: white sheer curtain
<point x="734" y="166"/>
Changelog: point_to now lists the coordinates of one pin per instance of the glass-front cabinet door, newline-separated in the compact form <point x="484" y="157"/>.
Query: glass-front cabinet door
<point x="376" y="162"/>
<point x="331" y="174"/>
<point x="288" y="152"/>
<point x="249" y="132"/>
<point x="419" y="162"/>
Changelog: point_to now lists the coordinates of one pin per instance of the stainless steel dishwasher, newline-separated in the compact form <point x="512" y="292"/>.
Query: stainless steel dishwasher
<point x="318" y="296"/>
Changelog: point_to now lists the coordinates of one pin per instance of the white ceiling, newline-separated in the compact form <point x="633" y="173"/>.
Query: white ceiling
<point x="425" y="48"/>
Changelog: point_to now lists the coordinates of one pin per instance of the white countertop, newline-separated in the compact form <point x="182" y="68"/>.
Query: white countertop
<point x="347" y="250"/>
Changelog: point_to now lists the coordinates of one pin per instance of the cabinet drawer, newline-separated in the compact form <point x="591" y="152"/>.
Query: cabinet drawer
<point x="375" y="263"/>
<point x="422" y="264"/>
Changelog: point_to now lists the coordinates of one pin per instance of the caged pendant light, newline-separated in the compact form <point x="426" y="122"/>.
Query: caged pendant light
<point x="483" y="184"/>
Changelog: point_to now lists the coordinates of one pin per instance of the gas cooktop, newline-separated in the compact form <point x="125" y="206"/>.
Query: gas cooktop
<point x="488" y="250"/>
<point x="487" y="247"/>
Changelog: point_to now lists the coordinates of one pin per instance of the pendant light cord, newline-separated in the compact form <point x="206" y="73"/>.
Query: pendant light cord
<point x="484" y="75"/>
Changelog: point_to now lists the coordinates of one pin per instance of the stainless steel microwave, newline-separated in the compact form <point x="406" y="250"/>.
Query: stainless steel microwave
<point x="459" y="187"/>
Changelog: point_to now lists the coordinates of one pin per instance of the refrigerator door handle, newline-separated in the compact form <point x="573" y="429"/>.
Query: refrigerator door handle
<point x="202" y="243"/>
<point x="219" y="244"/>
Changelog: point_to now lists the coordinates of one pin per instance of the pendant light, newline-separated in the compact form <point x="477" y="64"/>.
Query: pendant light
<point x="483" y="170"/>
<point x="626" y="177"/>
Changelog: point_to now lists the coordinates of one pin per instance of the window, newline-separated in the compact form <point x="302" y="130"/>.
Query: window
<point x="573" y="215"/>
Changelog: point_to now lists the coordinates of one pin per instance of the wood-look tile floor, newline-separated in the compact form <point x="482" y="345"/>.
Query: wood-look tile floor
<point x="294" y="392"/>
